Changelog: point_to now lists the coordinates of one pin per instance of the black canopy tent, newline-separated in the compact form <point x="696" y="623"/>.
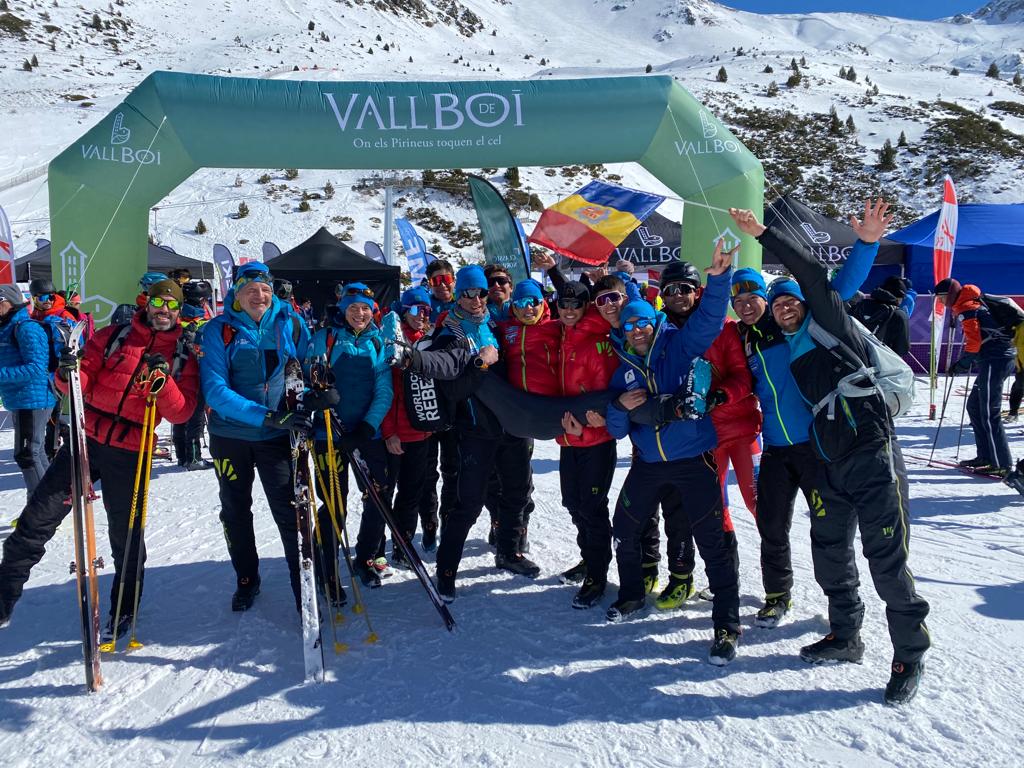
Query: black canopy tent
<point x="158" y="259"/>
<point x="828" y="239"/>
<point x="315" y="266"/>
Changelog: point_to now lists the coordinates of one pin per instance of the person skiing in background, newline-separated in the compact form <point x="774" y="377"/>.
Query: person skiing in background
<point x="149" y="361"/>
<point x="991" y="349"/>
<point x="656" y="357"/>
<point x="24" y="383"/>
<point x="243" y="353"/>
<point x="737" y="420"/>
<point x="861" y="480"/>
<point x="788" y="462"/>
<point x="354" y="358"/>
<point x="410" y="447"/>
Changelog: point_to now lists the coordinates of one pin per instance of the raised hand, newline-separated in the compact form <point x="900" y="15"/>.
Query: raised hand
<point x="721" y="260"/>
<point x="747" y="221"/>
<point x="875" y="221"/>
<point x="543" y="261"/>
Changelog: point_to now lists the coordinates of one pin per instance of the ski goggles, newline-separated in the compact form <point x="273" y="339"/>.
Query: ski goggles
<point x="528" y="301"/>
<point x="159" y="302"/>
<point x="473" y="293"/>
<point x="253" y="276"/>
<point x="570" y="303"/>
<point x="639" y="324"/>
<point x="609" y="298"/>
<point x="357" y="292"/>
<point x="498" y="280"/>
<point x="43" y="298"/>
<point x="416" y="310"/>
<point x="746" y="286"/>
<point x="436" y="281"/>
<point x="678" y="289"/>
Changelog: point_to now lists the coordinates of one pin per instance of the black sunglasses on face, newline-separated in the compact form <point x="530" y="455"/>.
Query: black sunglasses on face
<point x="678" y="289"/>
<point x="499" y="280"/>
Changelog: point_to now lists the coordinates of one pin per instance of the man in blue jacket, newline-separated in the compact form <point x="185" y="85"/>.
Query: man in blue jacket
<point x="788" y="462"/>
<point x="25" y="383"/>
<point x="656" y="358"/>
<point x="243" y="353"/>
<point x="860" y="482"/>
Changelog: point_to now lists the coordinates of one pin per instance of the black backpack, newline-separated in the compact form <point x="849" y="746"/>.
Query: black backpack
<point x="1005" y="311"/>
<point x="57" y="335"/>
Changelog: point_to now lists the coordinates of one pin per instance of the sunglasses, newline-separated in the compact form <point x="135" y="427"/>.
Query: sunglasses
<point x="571" y="304"/>
<point x="473" y="293"/>
<point x="43" y="298"/>
<point x="498" y="280"/>
<point x="678" y="289"/>
<point x="638" y="324"/>
<point x="529" y="301"/>
<point x="439" y="280"/>
<point x="608" y="298"/>
<point x="746" y="286"/>
<point x="171" y="304"/>
<point x="419" y="309"/>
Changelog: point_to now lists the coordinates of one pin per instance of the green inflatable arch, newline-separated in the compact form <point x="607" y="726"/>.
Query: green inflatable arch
<point x="171" y="125"/>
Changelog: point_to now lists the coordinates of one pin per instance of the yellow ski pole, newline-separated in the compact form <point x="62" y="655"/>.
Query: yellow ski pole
<point x="133" y="643"/>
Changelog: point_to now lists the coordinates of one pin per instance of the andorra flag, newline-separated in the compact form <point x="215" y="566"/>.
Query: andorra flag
<point x="588" y="225"/>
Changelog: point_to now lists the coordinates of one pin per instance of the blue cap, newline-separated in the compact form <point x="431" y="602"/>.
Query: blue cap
<point x="748" y="280"/>
<point x="415" y="296"/>
<point x="353" y="292"/>
<point x="471" y="276"/>
<point x="637" y="308"/>
<point x="784" y="287"/>
<point x="528" y="288"/>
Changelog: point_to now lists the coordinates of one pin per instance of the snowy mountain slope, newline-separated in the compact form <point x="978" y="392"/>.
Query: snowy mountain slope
<point x="525" y="680"/>
<point x="89" y="70"/>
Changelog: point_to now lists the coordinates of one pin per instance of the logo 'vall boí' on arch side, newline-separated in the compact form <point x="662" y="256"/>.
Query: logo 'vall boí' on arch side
<point x="171" y="125"/>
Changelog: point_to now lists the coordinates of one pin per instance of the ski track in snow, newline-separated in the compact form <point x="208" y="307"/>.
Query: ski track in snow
<point x="524" y="679"/>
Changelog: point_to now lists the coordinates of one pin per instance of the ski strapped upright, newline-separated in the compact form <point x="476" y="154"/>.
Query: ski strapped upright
<point x="85" y="563"/>
<point x="312" y="639"/>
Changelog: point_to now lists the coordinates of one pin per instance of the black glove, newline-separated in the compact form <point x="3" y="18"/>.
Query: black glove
<point x="717" y="398"/>
<point x="156" y="362"/>
<point x="293" y="421"/>
<point x="963" y="365"/>
<point x="364" y="431"/>
<point x="320" y="399"/>
<point x="68" y="363"/>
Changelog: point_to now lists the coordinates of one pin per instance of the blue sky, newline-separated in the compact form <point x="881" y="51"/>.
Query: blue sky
<point x="908" y="9"/>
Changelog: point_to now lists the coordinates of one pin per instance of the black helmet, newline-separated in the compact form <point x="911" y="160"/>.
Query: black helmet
<point x="197" y="291"/>
<point x="282" y="288"/>
<point x="41" y="286"/>
<point x="680" y="272"/>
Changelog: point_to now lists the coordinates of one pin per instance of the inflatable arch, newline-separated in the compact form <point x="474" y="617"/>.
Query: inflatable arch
<point x="171" y="125"/>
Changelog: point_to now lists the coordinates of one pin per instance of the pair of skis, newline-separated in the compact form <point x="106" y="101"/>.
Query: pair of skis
<point x="1013" y="479"/>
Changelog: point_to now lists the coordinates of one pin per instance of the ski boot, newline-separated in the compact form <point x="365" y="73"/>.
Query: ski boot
<point x="245" y="594"/>
<point x="774" y="611"/>
<point x="123" y="625"/>
<point x="367" y="573"/>
<point x="446" y="586"/>
<point x="589" y="594"/>
<point x="621" y="610"/>
<point x="903" y="683"/>
<point x="575" y="575"/>
<point x="678" y="590"/>
<point x="723" y="650"/>
<point x="831" y="648"/>
<point x="650" y="578"/>
<point x="518" y="564"/>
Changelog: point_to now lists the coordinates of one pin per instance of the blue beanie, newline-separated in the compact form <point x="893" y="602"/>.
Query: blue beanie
<point x="637" y="308"/>
<point x="754" y="280"/>
<point x="191" y="312"/>
<point x="353" y="292"/>
<point x="415" y="296"/>
<point x="528" y="288"/>
<point x="471" y="276"/>
<point x="784" y="287"/>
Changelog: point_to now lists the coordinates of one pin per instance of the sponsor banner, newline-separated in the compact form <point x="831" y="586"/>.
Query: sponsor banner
<point x="502" y="243"/>
<point x="225" y="266"/>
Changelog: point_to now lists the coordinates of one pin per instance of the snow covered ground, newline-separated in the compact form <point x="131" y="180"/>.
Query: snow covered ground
<point x="524" y="680"/>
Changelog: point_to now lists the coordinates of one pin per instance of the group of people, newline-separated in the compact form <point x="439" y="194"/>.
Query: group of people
<point x="429" y="393"/>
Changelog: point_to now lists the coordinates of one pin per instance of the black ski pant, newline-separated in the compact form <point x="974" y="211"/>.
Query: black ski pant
<point x="236" y="462"/>
<point x="585" y="476"/>
<point x="984" y="409"/>
<point x="785" y="470"/>
<point x="868" y="489"/>
<point x="57" y="432"/>
<point x="681" y="552"/>
<point x="1017" y="391"/>
<point x="412" y="468"/>
<point x="478" y="458"/>
<point x="48" y="506"/>
<point x="696" y="480"/>
<point x="370" y="539"/>
<point x="186" y="436"/>
<point x="446" y="446"/>
<point x="29" y="449"/>
<point x="492" y="502"/>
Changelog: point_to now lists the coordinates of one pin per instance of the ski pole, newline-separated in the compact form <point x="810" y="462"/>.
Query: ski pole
<point x="336" y="615"/>
<point x="963" y="413"/>
<point x="145" y="450"/>
<point x="942" y="415"/>
<point x="132" y="640"/>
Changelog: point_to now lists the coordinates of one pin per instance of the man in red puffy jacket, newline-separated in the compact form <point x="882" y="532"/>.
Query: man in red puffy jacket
<point x="119" y="372"/>
<point x="586" y="462"/>
<point x="737" y="420"/>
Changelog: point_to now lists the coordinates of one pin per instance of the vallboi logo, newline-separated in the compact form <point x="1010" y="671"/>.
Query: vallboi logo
<point x="73" y="262"/>
<point x="647" y="238"/>
<point x="728" y="237"/>
<point x="430" y="112"/>
<point x="711" y="144"/>
<point x="116" y="151"/>
<point x="816" y="237"/>
<point x="709" y="128"/>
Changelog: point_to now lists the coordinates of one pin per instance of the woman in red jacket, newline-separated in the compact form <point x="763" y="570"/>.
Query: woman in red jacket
<point x="409" y="447"/>
<point x="586" y="462"/>
<point x="119" y="372"/>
